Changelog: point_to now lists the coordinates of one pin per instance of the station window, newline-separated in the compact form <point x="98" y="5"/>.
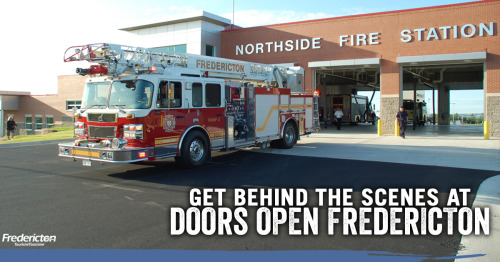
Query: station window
<point x="28" y="122"/>
<point x="210" y="50"/>
<point x="197" y="91"/>
<point x="212" y="95"/>
<point x="170" y="95"/>
<point x="38" y="122"/>
<point x="73" y="103"/>
<point x="49" y="120"/>
<point x="180" y="48"/>
<point x="172" y="48"/>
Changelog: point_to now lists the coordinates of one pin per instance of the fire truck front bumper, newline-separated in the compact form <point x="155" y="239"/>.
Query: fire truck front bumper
<point x="105" y="154"/>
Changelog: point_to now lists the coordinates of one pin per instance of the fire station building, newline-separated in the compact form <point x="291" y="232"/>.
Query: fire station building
<point x="441" y="48"/>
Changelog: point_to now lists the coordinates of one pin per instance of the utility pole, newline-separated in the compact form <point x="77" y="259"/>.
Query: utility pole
<point x="232" y="25"/>
<point x="453" y="109"/>
<point x="415" y="119"/>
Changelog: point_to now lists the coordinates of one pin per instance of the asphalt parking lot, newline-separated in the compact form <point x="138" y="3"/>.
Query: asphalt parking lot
<point x="127" y="206"/>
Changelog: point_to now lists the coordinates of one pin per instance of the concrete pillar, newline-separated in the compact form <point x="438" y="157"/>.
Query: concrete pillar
<point x="2" y="131"/>
<point x="391" y="94"/>
<point x="2" y="127"/>
<point x="492" y="95"/>
<point x="443" y="105"/>
<point x="492" y="113"/>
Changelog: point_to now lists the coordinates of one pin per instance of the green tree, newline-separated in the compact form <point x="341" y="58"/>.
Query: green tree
<point x="472" y="119"/>
<point x="480" y="119"/>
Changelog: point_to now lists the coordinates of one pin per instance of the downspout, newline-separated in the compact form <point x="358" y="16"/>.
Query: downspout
<point x="441" y="76"/>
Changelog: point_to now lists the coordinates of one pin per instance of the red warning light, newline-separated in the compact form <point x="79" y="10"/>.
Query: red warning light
<point x="93" y="70"/>
<point x="316" y="92"/>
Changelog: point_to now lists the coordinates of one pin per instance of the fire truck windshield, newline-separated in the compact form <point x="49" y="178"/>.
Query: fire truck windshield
<point x="131" y="94"/>
<point x="95" y="95"/>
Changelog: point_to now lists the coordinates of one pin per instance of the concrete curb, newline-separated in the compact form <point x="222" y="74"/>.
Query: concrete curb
<point x="488" y="195"/>
<point x="36" y="143"/>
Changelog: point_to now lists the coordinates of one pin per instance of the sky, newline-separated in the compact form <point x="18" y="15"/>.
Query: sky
<point x="37" y="33"/>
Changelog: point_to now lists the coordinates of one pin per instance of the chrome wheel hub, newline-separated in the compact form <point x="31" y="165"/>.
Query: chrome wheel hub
<point x="196" y="150"/>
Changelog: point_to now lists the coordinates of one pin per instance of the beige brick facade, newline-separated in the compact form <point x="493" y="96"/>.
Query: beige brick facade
<point x="70" y="88"/>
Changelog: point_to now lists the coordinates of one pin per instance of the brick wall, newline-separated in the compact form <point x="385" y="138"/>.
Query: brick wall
<point x="69" y="88"/>
<point x="389" y="26"/>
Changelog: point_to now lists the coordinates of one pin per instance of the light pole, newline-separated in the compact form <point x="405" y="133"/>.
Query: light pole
<point x="453" y="109"/>
<point x="428" y="107"/>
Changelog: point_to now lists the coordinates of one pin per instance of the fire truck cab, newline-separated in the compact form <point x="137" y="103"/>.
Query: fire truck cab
<point x="143" y="105"/>
<point x="420" y="117"/>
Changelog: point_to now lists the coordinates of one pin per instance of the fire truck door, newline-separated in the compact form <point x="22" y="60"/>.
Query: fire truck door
<point x="170" y="117"/>
<point x="212" y="117"/>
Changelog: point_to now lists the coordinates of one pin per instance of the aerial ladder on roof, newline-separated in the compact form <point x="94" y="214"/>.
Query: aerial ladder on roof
<point x="114" y="60"/>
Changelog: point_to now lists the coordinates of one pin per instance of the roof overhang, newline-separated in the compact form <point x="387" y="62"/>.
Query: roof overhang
<point x="197" y="16"/>
<point x="351" y="63"/>
<point x="14" y="93"/>
<point x="461" y="58"/>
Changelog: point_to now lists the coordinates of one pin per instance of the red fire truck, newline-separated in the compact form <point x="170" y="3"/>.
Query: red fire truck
<point x="141" y="104"/>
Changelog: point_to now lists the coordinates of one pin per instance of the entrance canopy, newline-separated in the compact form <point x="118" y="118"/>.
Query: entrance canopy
<point x="361" y="74"/>
<point x="463" y="71"/>
<point x="351" y="63"/>
<point x="462" y="58"/>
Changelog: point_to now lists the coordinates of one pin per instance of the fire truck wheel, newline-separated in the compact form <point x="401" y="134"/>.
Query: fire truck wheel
<point x="194" y="151"/>
<point x="289" y="137"/>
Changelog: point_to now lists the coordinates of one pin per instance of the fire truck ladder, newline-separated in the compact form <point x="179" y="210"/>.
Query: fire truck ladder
<point x="119" y="59"/>
<point x="115" y="60"/>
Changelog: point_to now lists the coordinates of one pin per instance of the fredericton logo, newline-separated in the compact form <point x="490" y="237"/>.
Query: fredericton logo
<point x="169" y="123"/>
<point x="28" y="240"/>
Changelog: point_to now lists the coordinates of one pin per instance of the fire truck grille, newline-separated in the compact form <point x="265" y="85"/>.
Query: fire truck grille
<point x="102" y="131"/>
<point x="103" y="118"/>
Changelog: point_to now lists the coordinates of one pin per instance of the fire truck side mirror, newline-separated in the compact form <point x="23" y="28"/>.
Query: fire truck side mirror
<point x="171" y="91"/>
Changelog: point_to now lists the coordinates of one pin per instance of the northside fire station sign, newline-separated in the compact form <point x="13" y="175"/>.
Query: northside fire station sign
<point x="275" y="47"/>
<point x="374" y="38"/>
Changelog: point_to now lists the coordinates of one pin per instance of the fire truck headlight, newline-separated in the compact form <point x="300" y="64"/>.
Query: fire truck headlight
<point x="80" y="129"/>
<point x="63" y="151"/>
<point x="133" y="131"/>
<point x="118" y="143"/>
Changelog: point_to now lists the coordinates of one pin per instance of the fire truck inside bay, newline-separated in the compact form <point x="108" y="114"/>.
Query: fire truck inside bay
<point x="140" y="104"/>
